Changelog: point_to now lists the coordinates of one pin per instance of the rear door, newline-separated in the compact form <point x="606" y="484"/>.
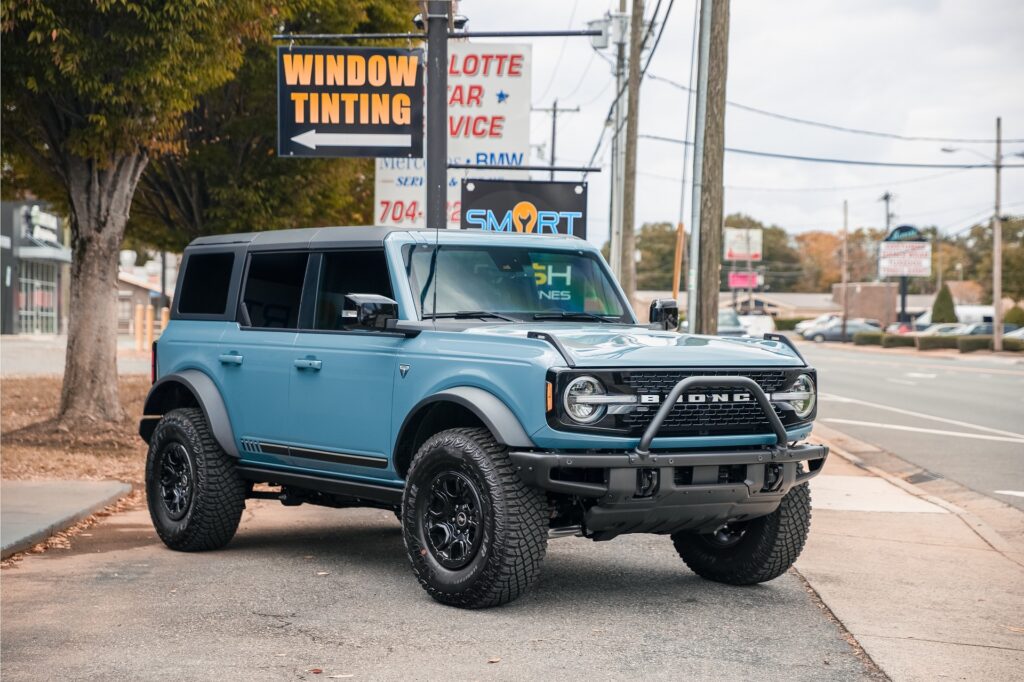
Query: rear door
<point x="256" y="354"/>
<point x="340" y="394"/>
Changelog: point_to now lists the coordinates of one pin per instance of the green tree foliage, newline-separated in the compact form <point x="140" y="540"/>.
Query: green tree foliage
<point x="226" y="176"/>
<point x="943" y="310"/>
<point x="1014" y="315"/>
<point x="657" y="245"/>
<point x="90" y="90"/>
<point x="781" y="262"/>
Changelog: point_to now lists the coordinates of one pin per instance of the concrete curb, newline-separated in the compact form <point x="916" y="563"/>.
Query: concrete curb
<point x="35" y="537"/>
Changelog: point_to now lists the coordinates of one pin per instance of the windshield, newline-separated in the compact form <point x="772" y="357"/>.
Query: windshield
<point x="520" y="283"/>
<point x="727" y="317"/>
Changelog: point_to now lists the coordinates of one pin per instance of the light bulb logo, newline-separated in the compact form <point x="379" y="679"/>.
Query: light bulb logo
<point x="524" y="215"/>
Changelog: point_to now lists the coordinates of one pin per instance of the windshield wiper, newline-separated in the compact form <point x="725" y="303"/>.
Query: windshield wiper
<point x="567" y="315"/>
<point x="468" y="314"/>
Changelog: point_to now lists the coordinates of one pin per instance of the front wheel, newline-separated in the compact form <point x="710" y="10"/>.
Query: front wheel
<point x="475" y="533"/>
<point x="819" y="338"/>
<point x="754" y="551"/>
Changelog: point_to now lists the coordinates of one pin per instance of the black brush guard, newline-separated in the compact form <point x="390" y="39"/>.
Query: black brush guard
<point x="700" y="502"/>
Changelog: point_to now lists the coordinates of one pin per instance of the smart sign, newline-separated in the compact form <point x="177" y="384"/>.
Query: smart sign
<point x="349" y="101"/>
<point x="524" y="206"/>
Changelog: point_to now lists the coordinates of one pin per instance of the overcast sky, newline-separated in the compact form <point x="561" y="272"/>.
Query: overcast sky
<point x="939" y="68"/>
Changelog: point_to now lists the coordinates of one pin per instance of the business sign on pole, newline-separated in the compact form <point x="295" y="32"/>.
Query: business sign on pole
<point x="524" y="206"/>
<point x="744" y="280"/>
<point x="741" y="243"/>
<point x="488" y="124"/>
<point x="905" y="252"/>
<point x="349" y="101"/>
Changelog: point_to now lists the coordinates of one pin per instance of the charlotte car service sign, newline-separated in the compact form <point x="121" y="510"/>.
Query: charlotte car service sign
<point x="349" y="101"/>
<point x="905" y="253"/>
<point x="524" y="206"/>
<point x="488" y="123"/>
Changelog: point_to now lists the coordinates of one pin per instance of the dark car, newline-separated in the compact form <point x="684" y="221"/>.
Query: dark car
<point x="984" y="329"/>
<point x="833" y="331"/>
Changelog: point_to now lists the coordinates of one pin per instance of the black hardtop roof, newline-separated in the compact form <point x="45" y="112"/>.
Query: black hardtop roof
<point x="322" y="237"/>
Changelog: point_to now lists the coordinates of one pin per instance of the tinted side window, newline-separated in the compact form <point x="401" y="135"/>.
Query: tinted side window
<point x="204" y="288"/>
<point x="348" y="272"/>
<point x="273" y="289"/>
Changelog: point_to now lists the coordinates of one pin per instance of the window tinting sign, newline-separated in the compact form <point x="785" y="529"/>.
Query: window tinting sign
<point x="524" y="206"/>
<point x="349" y="101"/>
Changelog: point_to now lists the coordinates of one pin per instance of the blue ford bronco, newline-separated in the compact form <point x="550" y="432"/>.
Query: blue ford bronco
<point x="494" y="390"/>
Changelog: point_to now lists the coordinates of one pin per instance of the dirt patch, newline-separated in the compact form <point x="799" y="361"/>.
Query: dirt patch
<point x="36" y="446"/>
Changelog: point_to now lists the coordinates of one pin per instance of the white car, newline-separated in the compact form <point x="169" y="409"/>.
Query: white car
<point x="819" y="321"/>
<point x="757" y="325"/>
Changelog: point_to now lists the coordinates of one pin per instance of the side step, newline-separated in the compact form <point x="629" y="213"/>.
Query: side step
<point x="334" y="486"/>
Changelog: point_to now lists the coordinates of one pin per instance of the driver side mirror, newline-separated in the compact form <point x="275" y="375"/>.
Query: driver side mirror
<point x="369" y="311"/>
<point x="664" y="314"/>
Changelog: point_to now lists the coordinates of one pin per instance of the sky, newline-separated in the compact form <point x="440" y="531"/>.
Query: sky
<point x="935" y="68"/>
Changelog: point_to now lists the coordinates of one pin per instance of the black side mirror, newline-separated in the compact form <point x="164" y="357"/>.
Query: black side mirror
<point x="369" y="311"/>
<point x="664" y="314"/>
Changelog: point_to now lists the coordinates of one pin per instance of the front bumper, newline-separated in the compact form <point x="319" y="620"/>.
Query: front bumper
<point x="645" y="491"/>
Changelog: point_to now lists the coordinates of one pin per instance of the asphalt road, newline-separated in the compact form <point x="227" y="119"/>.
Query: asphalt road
<point x="959" y="418"/>
<point x="310" y="588"/>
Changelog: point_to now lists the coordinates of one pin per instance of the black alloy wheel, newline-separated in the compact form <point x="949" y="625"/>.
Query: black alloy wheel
<point x="177" y="480"/>
<point x="451" y="518"/>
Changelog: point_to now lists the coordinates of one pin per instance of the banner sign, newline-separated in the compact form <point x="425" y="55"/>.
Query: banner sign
<point x="742" y="243"/>
<point x="744" y="280"/>
<point x="905" y="259"/>
<point x="524" y="206"/>
<point x="488" y="124"/>
<point x="349" y="101"/>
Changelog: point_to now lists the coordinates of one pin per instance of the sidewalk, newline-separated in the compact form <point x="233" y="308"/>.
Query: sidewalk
<point x="929" y="591"/>
<point x="27" y="355"/>
<point x="31" y="511"/>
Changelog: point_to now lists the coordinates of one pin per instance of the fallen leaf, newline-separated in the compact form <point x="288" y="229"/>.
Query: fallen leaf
<point x="496" y="659"/>
<point x="1013" y="628"/>
<point x="308" y="556"/>
<point x="322" y="573"/>
<point x="315" y="671"/>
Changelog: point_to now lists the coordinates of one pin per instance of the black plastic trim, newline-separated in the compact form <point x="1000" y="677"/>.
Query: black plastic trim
<point x="782" y="338"/>
<point x="335" y="486"/>
<point x="338" y="457"/>
<point x="495" y="414"/>
<point x="205" y="393"/>
<point x="553" y="340"/>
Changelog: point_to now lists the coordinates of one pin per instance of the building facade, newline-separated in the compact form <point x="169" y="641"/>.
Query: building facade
<point x="34" y="261"/>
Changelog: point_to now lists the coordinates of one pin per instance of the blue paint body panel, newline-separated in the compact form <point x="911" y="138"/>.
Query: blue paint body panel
<point x="357" y="401"/>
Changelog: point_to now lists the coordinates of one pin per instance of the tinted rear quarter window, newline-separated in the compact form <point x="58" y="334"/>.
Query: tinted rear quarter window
<point x="204" y="288"/>
<point x="273" y="289"/>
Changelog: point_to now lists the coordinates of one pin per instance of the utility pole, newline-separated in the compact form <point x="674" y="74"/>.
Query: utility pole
<point x="845" y="274"/>
<point x="437" y="112"/>
<point x="554" y="111"/>
<point x="706" y="249"/>
<point x="997" y="249"/>
<point x="618" y="149"/>
<point x="628" y="275"/>
<point x="887" y="197"/>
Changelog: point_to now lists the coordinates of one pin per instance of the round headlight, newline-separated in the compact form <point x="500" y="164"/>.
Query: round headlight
<point x="803" y="406"/>
<point x="579" y="402"/>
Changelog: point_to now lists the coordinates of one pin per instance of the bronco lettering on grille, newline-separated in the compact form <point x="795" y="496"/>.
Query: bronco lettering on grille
<point x="654" y="399"/>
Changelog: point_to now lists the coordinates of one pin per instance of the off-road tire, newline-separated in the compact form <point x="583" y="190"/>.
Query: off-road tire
<point x="514" y="521"/>
<point x="768" y="547"/>
<point x="217" y="496"/>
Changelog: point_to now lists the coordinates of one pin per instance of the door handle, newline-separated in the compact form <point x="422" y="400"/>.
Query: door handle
<point x="308" y="363"/>
<point x="231" y="359"/>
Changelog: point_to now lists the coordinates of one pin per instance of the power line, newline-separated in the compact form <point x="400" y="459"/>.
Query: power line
<point x="561" y="53"/>
<point x="848" y="162"/>
<point x="844" y="129"/>
<point x="833" y="188"/>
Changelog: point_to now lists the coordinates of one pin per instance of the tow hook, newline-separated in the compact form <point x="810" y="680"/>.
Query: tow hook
<point x="646" y="482"/>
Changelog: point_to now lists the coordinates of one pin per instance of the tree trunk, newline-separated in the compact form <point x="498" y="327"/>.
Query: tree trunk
<point x="100" y="197"/>
<point x="628" y="263"/>
<point x="711" y="209"/>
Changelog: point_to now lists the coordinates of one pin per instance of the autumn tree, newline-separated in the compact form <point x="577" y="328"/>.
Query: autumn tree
<point x="819" y="259"/>
<point x="91" y="90"/>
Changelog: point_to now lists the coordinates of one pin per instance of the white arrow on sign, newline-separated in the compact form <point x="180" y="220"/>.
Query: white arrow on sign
<point x="313" y="139"/>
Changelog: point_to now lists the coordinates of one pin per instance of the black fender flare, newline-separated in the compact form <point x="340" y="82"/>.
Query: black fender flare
<point x="487" y="407"/>
<point x="165" y="395"/>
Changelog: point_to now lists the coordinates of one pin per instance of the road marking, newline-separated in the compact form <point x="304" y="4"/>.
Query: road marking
<point x="920" y="415"/>
<point x="921" y="375"/>
<point x="1015" y="493"/>
<point x="916" y="429"/>
<point x="902" y="381"/>
<point x="952" y="365"/>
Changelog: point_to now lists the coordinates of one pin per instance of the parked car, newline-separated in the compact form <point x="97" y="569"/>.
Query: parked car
<point x="728" y="324"/>
<point x="941" y="329"/>
<point x="833" y="331"/>
<point x="983" y="329"/>
<point x="758" y="325"/>
<point x="820" y="320"/>
<point x="1015" y="334"/>
<point x="493" y="390"/>
<point x="965" y="314"/>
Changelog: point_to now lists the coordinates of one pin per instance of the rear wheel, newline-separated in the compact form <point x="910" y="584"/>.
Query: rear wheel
<point x="819" y="338"/>
<point x="475" y="534"/>
<point x="195" y="495"/>
<point x="754" y="551"/>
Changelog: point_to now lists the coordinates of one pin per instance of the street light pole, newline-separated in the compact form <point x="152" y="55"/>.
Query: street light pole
<point x="437" y="112"/>
<point x="997" y="249"/>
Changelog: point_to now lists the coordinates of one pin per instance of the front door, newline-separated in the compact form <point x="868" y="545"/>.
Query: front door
<point x="341" y="386"/>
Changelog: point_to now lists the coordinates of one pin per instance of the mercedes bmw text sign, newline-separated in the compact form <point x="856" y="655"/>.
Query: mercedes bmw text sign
<point x="524" y="206"/>
<point x="349" y="101"/>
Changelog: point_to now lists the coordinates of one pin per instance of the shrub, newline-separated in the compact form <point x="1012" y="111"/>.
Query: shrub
<point x="788" y="324"/>
<point x="933" y="342"/>
<point x="1015" y="345"/>
<point x="943" y="309"/>
<point x="897" y="341"/>
<point x="1014" y="315"/>
<point x="867" y="338"/>
<point x="969" y="344"/>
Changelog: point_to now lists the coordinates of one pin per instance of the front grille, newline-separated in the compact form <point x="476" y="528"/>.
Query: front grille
<point x="696" y="419"/>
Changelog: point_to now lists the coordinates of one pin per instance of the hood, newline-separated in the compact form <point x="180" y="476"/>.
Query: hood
<point x="607" y="345"/>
